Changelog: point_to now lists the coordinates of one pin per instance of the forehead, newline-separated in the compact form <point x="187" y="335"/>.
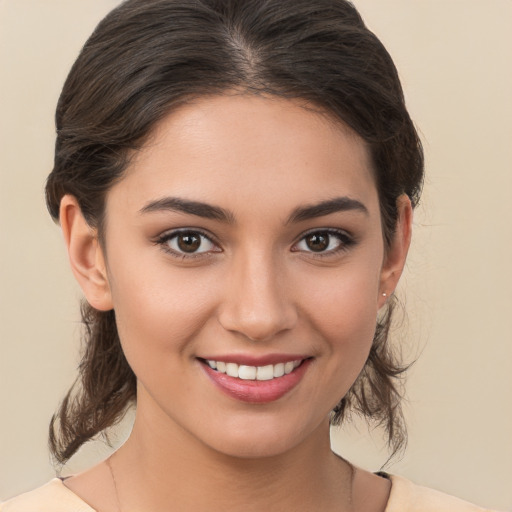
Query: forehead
<point x="236" y="148"/>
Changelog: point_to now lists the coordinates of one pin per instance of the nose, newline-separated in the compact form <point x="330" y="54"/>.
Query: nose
<point x="257" y="303"/>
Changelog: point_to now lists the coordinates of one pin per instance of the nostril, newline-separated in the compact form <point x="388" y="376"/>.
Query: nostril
<point x="256" y="327"/>
<point x="255" y="303"/>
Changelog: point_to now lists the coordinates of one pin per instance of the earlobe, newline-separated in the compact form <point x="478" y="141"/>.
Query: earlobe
<point x="85" y="254"/>
<point x="395" y="257"/>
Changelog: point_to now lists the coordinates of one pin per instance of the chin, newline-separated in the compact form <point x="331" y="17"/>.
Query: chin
<point x="254" y="448"/>
<point x="263" y="438"/>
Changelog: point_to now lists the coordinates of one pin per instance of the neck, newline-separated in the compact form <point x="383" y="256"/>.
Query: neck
<point x="162" y="470"/>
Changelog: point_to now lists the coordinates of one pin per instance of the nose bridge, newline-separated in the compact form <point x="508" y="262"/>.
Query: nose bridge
<point x="257" y="303"/>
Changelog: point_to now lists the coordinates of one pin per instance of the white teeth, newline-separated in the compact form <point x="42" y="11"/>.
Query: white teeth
<point x="265" y="372"/>
<point x="288" y="367"/>
<point x="247" y="372"/>
<point x="244" y="372"/>
<point x="232" y="369"/>
<point x="279" y="370"/>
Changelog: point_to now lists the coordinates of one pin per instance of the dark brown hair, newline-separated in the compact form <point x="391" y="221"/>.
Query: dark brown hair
<point x="149" y="56"/>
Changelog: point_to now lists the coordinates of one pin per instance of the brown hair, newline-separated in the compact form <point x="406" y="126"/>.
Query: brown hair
<point x="149" y="56"/>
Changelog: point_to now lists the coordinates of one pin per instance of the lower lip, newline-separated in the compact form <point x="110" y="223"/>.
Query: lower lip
<point x="257" y="391"/>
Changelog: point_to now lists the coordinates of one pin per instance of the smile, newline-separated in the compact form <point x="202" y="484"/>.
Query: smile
<point x="261" y="382"/>
<point x="245" y="372"/>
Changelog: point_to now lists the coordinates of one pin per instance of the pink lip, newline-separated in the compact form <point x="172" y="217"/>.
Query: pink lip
<point x="256" y="391"/>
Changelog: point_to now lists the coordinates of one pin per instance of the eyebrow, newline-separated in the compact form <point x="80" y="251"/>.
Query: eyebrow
<point x="338" y="204"/>
<point x="200" y="209"/>
<point x="208" y="211"/>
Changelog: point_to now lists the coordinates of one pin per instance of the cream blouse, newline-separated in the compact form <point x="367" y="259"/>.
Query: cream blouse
<point x="405" y="497"/>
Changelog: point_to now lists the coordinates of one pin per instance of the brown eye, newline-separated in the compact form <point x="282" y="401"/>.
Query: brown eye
<point x="188" y="242"/>
<point x="317" y="242"/>
<point x="324" y="241"/>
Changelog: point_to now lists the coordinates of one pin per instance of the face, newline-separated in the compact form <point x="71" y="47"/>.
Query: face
<point x="246" y="265"/>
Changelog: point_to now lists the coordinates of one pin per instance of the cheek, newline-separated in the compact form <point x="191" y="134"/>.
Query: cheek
<point x="343" y="301"/>
<point x="342" y="311"/>
<point x="349" y="328"/>
<point x="159" y="311"/>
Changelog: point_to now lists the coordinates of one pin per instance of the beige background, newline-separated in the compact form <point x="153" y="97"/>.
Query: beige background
<point x="455" y="58"/>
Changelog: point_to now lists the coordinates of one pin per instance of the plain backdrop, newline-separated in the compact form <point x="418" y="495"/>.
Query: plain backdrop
<point x="455" y="61"/>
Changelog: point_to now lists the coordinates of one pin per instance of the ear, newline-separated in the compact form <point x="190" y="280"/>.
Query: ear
<point x="85" y="254"/>
<point x="394" y="259"/>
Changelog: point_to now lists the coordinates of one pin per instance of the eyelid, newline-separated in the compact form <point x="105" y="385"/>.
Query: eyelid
<point x="164" y="237"/>
<point x="346" y="241"/>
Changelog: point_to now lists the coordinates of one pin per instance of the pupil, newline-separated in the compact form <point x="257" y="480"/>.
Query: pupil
<point x="189" y="243"/>
<point x="318" y="242"/>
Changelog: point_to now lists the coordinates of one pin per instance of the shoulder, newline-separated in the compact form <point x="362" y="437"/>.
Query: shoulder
<point x="408" y="497"/>
<point x="51" y="497"/>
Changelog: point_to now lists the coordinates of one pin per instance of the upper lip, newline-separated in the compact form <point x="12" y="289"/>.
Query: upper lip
<point x="253" y="360"/>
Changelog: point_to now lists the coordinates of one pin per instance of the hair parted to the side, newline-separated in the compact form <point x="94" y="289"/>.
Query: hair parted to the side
<point x="146" y="58"/>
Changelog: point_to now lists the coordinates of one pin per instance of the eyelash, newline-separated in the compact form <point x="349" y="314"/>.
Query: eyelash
<point x="164" y="239"/>
<point x="345" y="242"/>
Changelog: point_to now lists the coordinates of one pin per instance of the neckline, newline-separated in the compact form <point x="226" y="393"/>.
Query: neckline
<point x="77" y="500"/>
<point x="85" y="507"/>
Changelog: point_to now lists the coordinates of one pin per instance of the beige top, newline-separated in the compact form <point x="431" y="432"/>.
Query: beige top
<point x="405" y="497"/>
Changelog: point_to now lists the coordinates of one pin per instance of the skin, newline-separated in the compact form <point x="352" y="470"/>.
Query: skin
<point x="255" y="287"/>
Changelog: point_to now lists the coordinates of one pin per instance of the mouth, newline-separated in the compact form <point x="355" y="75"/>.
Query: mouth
<point x="258" y="383"/>
<point x="246" y="372"/>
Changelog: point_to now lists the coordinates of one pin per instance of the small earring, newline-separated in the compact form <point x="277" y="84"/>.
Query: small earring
<point x="384" y="294"/>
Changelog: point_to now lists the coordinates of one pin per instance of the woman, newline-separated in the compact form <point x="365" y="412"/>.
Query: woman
<point x="235" y="183"/>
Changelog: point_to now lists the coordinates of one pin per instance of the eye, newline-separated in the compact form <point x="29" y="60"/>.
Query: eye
<point x="187" y="242"/>
<point x="324" y="241"/>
